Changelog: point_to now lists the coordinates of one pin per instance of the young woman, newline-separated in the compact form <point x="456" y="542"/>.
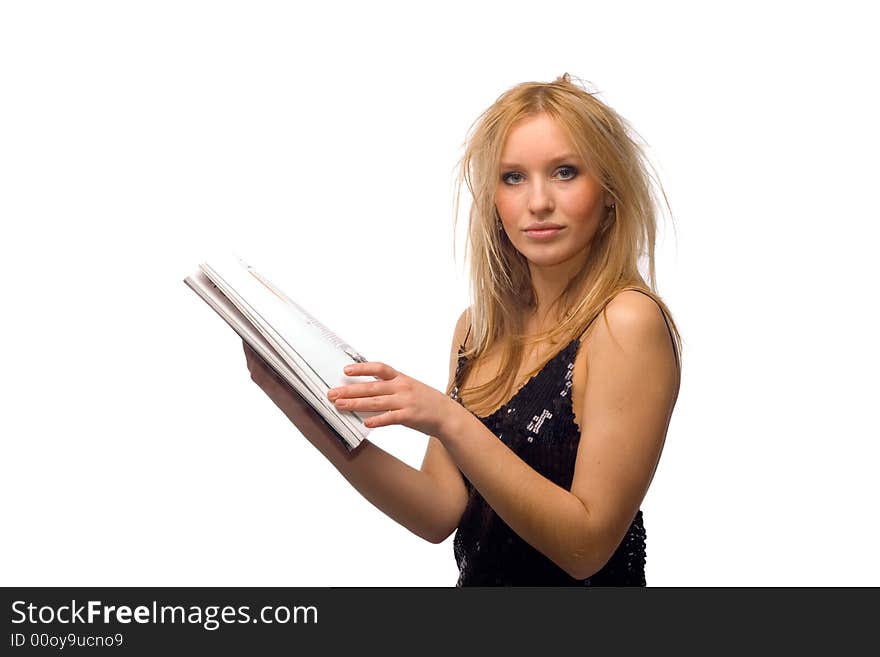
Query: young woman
<point x="563" y="372"/>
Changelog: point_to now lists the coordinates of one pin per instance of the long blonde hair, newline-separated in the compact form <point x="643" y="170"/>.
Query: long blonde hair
<point x="500" y="282"/>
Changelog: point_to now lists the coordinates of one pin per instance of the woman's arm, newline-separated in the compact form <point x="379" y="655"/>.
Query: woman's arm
<point x="429" y="502"/>
<point x="631" y="389"/>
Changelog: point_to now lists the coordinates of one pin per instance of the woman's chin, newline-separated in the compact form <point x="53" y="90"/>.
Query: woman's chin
<point x="549" y="257"/>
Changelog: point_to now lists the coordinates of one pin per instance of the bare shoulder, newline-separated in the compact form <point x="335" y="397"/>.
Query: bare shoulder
<point x="633" y="321"/>
<point x="630" y="390"/>
<point x="633" y="311"/>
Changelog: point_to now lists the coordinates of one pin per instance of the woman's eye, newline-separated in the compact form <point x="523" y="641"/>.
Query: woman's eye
<point x="567" y="172"/>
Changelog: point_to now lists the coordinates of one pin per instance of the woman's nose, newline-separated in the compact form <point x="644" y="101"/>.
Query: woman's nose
<point x="540" y="198"/>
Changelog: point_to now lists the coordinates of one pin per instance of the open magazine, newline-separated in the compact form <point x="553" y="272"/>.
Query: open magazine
<point x="304" y="353"/>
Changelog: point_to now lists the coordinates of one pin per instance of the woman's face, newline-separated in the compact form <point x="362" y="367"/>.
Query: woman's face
<point x="543" y="183"/>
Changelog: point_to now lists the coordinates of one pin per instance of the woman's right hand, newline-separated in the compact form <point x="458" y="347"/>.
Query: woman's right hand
<point x="297" y="409"/>
<point x="411" y="497"/>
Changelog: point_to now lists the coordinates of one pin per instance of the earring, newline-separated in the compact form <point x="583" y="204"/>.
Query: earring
<point x="609" y="217"/>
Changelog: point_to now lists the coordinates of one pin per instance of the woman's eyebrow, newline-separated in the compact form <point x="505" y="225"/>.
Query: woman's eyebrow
<point x="555" y="160"/>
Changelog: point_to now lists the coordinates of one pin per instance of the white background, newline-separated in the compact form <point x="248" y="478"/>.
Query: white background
<point x="320" y="143"/>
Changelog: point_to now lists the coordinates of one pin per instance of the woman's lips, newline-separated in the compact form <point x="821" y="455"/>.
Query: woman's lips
<point x="544" y="233"/>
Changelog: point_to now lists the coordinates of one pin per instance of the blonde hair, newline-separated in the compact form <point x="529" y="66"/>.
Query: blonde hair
<point x="500" y="282"/>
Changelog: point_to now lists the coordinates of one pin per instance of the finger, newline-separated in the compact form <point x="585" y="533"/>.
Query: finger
<point x="383" y="420"/>
<point x="381" y="370"/>
<point x="383" y="403"/>
<point x="354" y="390"/>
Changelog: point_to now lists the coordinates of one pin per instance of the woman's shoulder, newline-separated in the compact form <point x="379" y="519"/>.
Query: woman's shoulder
<point x="632" y="319"/>
<point x="634" y="308"/>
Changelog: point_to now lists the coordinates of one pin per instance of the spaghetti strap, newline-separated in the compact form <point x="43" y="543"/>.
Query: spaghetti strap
<point x="590" y="323"/>
<point x="668" y="328"/>
<point x="665" y="321"/>
<point x="456" y="378"/>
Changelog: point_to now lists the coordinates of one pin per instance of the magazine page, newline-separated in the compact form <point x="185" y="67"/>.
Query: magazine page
<point x="317" y="354"/>
<point x="209" y="292"/>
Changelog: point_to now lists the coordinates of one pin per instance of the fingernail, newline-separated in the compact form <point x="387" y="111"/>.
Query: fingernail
<point x="332" y="394"/>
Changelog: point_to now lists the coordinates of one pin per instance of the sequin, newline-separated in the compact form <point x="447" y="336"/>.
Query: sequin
<point x="538" y="420"/>
<point x="540" y="428"/>
<point x="566" y="388"/>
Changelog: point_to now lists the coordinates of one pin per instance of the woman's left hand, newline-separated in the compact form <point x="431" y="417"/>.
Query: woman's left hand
<point x="403" y="399"/>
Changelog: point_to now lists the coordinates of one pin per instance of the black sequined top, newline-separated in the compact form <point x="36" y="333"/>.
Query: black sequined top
<point x="539" y="426"/>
